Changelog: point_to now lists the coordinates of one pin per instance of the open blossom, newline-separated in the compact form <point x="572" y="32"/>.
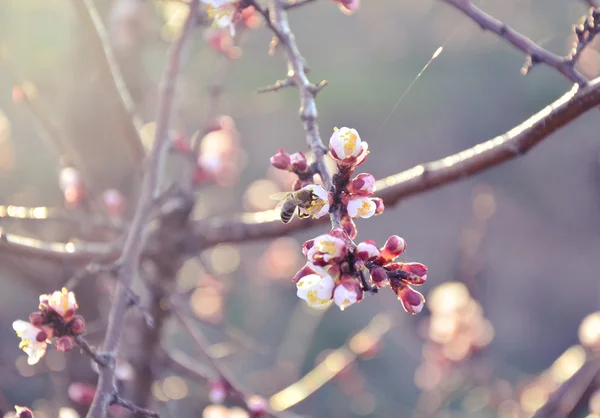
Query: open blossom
<point x="347" y="147"/>
<point x="326" y="249"/>
<point x="33" y="340"/>
<point x="347" y="292"/>
<point x="224" y="13"/>
<point x="361" y="207"/>
<point x="62" y="302"/>
<point x="316" y="290"/>
<point x="320" y="204"/>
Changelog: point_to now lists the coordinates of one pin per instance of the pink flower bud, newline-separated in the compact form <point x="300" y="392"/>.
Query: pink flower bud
<point x="217" y="391"/>
<point x="347" y="292"/>
<point x="393" y="247"/>
<point x="81" y="393"/>
<point x="114" y="202"/>
<point x="77" y="325"/>
<point x="250" y="18"/>
<point x="338" y="233"/>
<point x="179" y="142"/>
<point x="23" y="412"/>
<point x="64" y="344"/>
<point x="379" y="206"/>
<point x="41" y="336"/>
<point x="379" y="276"/>
<point x="362" y="185"/>
<point x="36" y="319"/>
<point x="367" y="250"/>
<point x="281" y="160"/>
<point x="412" y="301"/>
<point x="348" y="6"/>
<point x="256" y="405"/>
<point x="417" y="272"/>
<point x="299" y="163"/>
<point x="349" y="226"/>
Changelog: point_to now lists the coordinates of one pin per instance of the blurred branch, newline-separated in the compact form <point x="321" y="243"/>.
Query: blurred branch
<point x="332" y="364"/>
<point x="222" y="373"/>
<point x="129" y="259"/>
<point x="592" y="3"/>
<point x="292" y="4"/>
<point x="419" y="179"/>
<point x="117" y="400"/>
<point x="535" y="53"/>
<point x="585" y="31"/>
<point x="111" y="73"/>
<point x="574" y="392"/>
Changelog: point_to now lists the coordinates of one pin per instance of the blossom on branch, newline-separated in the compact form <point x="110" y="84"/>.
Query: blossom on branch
<point x="55" y="319"/>
<point x="224" y="13"/>
<point x="23" y="412"/>
<point x="319" y="206"/>
<point x="347" y="148"/>
<point x="316" y="290"/>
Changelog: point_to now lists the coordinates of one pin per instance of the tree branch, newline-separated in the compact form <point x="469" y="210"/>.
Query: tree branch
<point x="422" y="177"/>
<point x="128" y="261"/>
<point x="535" y="52"/>
<point x="110" y="70"/>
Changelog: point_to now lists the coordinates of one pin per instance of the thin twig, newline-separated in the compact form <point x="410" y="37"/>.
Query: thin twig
<point x="117" y="400"/>
<point x="110" y="70"/>
<point x="134" y="245"/>
<point x="535" y="52"/>
<point x="422" y="177"/>
<point x="91" y="352"/>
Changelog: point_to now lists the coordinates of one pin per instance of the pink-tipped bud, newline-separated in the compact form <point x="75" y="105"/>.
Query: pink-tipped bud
<point x="281" y="160"/>
<point x="307" y="246"/>
<point x="114" y="202"/>
<point x="349" y="226"/>
<point x="217" y="391"/>
<point x="362" y="185"/>
<point x="379" y="206"/>
<point x="348" y="6"/>
<point x="304" y="271"/>
<point x="41" y="336"/>
<point x="23" y="412"/>
<point x="393" y="247"/>
<point x="256" y="405"/>
<point x="299" y="163"/>
<point x="338" y="233"/>
<point x="379" y="276"/>
<point x="367" y="250"/>
<point x="36" y="319"/>
<point x="412" y="301"/>
<point x="81" y="393"/>
<point x="64" y="344"/>
<point x="77" y="325"/>
<point x="417" y="272"/>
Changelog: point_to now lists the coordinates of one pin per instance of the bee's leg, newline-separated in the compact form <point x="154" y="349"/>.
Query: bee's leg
<point x="367" y="287"/>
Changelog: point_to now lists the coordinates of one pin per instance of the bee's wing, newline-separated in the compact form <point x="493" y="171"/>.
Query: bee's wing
<point x="278" y="196"/>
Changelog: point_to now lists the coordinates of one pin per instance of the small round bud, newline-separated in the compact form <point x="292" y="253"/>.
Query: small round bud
<point x="36" y="319"/>
<point x="362" y="185"/>
<point x="77" y="325"/>
<point x="65" y="344"/>
<point x="217" y="391"/>
<point x="349" y="226"/>
<point x="41" y="336"/>
<point x="379" y="276"/>
<point x="393" y="247"/>
<point x="298" y="162"/>
<point x="256" y="405"/>
<point x="281" y="160"/>
<point x="379" y="206"/>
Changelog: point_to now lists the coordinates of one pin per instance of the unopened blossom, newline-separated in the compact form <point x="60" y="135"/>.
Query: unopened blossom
<point x="224" y="13"/>
<point x="412" y="301"/>
<point x="362" y="185"/>
<point x="316" y="290"/>
<point x="416" y="272"/>
<point x="348" y="6"/>
<point x="347" y="292"/>
<point x="361" y="207"/>
<point x="256" y="405"/>
<point x="64" y="344"/>
<point x="379" y="206"/>
<point x="320" y="204"/>
<point x="62" y="302"/>
<point x="347" y="147"/>
<point x="33" y="340"/>
<point x="393" y="247"/>
<point x="327" y="249"/>
<point x="299" y="163"/>
<point x="367" y="250"/>
<point x="281" y="160"/>
<point x="217" y="391"/>
<point x="349" y="226"/>
<point x="379" y="276"/>
<point x="23" y="412"/>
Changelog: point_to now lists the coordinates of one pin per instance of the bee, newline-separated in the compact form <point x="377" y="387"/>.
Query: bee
<point x="289" y="201"/>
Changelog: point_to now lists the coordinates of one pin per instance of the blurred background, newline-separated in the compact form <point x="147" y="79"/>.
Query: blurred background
<point x="519" y="242"/>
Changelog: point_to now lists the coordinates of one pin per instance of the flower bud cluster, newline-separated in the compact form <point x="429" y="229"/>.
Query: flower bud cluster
<point x="339" y="272"/>
<point x="55" y="320"/>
